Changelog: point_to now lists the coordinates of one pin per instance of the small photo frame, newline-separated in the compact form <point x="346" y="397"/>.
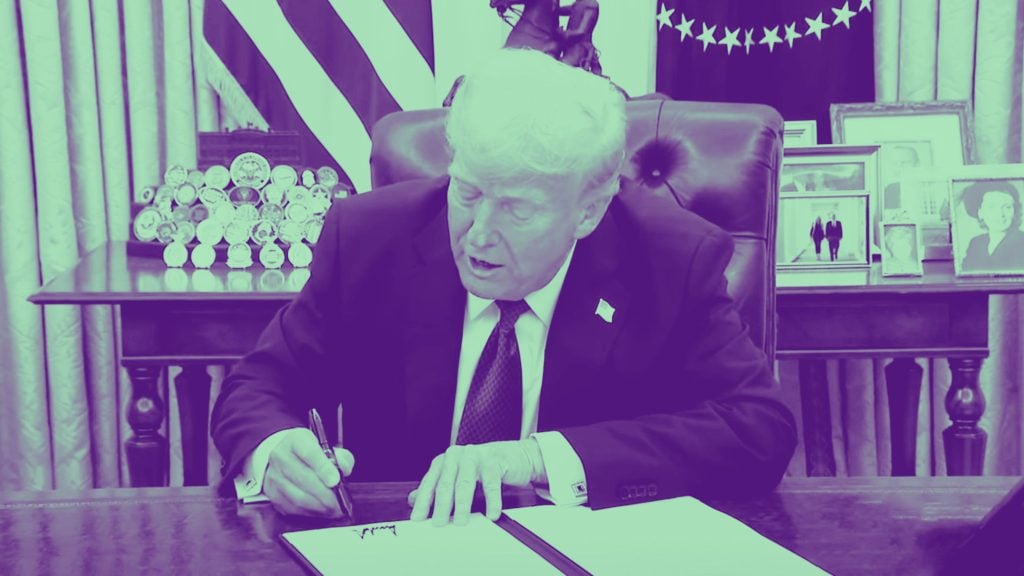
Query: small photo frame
<point x="821" y="230"/>
<point x="911" y="134"/>
<point x="986" y="213"/>
<point x="799" y="133"/>
<point x="901" y="249"/>
<point x="829" y="169"/>
<point x="923" y="197"/>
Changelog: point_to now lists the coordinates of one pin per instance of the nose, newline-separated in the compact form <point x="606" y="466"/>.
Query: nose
<point x="483" y="231"/>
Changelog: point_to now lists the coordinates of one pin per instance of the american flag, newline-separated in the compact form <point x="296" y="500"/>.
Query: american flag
<point x="325" y="68"/>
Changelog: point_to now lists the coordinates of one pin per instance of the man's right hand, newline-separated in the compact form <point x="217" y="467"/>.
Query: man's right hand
<point x="300" y="479"/>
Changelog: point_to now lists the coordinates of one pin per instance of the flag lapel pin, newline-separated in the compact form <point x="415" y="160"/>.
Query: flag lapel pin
<point x="605" y="310"/>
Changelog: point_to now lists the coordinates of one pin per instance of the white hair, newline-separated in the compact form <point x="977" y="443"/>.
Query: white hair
<point x="523" y="114"/>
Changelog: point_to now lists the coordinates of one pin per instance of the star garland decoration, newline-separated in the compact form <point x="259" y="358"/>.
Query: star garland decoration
<point x="729" y="38"/>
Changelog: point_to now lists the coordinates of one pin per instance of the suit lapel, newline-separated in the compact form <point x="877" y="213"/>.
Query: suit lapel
<point x="432" y="340"/>
<point x="580" y="338"/>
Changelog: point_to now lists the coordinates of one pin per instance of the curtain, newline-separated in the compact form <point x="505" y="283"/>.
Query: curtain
<point x="941" y="50"/>
<point x="82" y="126"/>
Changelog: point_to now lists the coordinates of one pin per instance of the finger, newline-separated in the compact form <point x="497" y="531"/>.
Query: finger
<point x="445" y="488"/>
<point x="289" y="498"/>
<point x="345" y="459"/>
<point x="465" y="486"/>
<point x="306" y="448"/>
<point x="425" y="491"/>
<point x="490" y="478"/>
<point x="303" y="478"/>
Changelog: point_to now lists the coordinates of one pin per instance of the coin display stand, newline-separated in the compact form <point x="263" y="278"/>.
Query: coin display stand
<point x="241" y="213"/>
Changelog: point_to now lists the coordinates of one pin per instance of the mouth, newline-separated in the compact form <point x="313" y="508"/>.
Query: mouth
<point x="482" y="266"/>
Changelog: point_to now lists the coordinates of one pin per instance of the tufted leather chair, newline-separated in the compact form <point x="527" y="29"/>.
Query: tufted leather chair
<point x="720" y="161"/>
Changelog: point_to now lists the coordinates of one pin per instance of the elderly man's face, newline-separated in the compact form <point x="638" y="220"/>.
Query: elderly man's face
<point x="996" y="211"/>
<point x="509" y="238"/>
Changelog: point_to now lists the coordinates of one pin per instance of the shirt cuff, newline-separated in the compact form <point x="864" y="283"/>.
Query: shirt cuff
<point x="567" y="481"/>
<point x="249" y="482"/>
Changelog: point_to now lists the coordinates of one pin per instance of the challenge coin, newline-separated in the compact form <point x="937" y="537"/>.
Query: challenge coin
<point x="291" y="231"/>
<point x="203" y="256"/>
<point x="327" y="176"/>
<point x="271" y="256"/>
<point x="224" y="213"/>
<point x="243" y="195"/>
<point x="308" y="178"/>
<point x="239" y="256"/>
<point x="217" y="176"/>
<point x="175" y="176"/>
<point x="297" y="195"/>
<point x="198" y="213"/>
<point x="146" y="194"/>
<point x="209" y="232"/>
<point x="186" y="194"/>
<point x="146" y="222"/>
<point x="165" y="231"/>
<point x="263" y="232"/>
<point x="298" y="212"/>
<point x="210" y="197"/>
<point x="247" y="213"/>
<point x="283" y="176"/>
<point x="181" y="214"/>
<point x="272" y="213"/>
<point x="237" y="232"/>
<point x="175" y="254"/>
<point x="300" y="255"/>
<point x="272" y="194"/>
<point x="250" y="169"/>
<point x="186" y="232"/>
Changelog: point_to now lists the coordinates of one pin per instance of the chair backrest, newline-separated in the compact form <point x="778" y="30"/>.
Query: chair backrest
<point x="720" y="161"/>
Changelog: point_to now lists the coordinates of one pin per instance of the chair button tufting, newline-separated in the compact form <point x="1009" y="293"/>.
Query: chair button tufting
<point x="656" y="173"/>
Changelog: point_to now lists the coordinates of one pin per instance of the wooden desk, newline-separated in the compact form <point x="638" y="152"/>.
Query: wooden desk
<point x="860" y="314"/>
<point x="875" y="526"/>
<point x="195" y="318"/>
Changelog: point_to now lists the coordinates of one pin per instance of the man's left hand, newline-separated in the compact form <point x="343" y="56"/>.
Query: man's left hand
<point x="453" y="476"/>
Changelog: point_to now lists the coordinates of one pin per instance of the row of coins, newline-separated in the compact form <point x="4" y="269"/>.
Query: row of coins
<point x="271" y="255"/>
<point x="236" y="226"/>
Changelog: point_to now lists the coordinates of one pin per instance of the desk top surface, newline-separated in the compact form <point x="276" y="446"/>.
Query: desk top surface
<point x="109" y="275"/>
<point x="846" y="526"/>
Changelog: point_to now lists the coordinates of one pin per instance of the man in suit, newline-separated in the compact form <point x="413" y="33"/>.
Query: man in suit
<point x="834" y="234"/>
<point x="517" y="322"/>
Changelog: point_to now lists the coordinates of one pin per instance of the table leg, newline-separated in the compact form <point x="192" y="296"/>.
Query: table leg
<point x="964" y="440"/>
<point x="817" y="417"/>
<point x="193" y="388"/>
<point x="146" y="449"/>
<point x="903" y="386"/>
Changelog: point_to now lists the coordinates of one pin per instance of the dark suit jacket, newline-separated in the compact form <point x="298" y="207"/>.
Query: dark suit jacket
<point x="834" y="230"/>
<point x="1007" y="257"/>
<point x="670" y="398"/>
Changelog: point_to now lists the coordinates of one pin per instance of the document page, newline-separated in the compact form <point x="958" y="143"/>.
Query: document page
<point x="406" y="547"/>
<point x="678" y="536"/>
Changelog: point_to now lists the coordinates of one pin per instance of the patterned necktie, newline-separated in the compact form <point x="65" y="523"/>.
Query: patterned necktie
<point x="494" y="404"/>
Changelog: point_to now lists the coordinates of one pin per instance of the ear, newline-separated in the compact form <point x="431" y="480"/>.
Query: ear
<point x="594" y="205"/>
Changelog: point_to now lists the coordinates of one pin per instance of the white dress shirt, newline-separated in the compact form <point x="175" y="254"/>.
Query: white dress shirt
<point x="566" y="479"/>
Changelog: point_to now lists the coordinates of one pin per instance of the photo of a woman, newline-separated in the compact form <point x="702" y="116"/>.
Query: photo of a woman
<point x="995" y="204"/>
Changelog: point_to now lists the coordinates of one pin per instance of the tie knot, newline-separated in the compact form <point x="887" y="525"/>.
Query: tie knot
<point x="511" y="310"/>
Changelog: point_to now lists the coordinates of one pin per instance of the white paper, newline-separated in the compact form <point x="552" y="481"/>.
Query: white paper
<point x="406" y="547"/>
<point x="678" y="536"/>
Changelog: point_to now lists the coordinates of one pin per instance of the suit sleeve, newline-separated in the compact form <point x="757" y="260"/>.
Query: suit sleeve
<point x="272" y="387"/>
<point x="725" y="430"/>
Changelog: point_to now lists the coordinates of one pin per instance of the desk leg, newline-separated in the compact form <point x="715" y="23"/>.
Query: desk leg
<point x="193" y="388"/>
<point x="903" y="386"/>
<point x="964" y="440"/>
<point x="817" y="412"/>
<point x="146" y="449"/>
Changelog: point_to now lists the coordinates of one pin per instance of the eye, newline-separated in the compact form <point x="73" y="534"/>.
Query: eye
<point x="466" y="194"/>
<point x="520" y="210"/>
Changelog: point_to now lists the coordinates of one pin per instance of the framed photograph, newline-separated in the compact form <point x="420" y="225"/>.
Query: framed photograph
<point x="829" y="169"/>
<point x="822" y="230"/>
<point x="923" y="197"/>
<point x="799" y="133"/>
<point x="901" y="253"/>
<point x="911" y="134"/>
<point x="986" y="214"/>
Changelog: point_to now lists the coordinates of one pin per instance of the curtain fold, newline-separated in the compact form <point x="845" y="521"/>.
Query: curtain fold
<point x="107" y="102"/>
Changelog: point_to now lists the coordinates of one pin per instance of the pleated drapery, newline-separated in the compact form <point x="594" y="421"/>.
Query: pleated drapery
<point x="100" y="100"/>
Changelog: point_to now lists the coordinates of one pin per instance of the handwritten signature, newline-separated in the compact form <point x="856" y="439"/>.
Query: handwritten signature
<point x="372" y="530"/>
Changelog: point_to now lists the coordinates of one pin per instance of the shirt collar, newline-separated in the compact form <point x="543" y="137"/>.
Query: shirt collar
<point x="542" y="301"/>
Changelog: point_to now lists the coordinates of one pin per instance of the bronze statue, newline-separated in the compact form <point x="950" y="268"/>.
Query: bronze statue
<point x="538" y="29"/>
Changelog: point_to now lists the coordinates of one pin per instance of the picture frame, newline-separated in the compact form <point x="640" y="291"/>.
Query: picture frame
<point x="985" y="207"/>
<point x="902" y="251"/>
<point x="800" y="246"/>
<point x="799" y="133"/>
<point x="928" y="134"/>
<point x="831" y="169"/>
<point x="923" y="197"/>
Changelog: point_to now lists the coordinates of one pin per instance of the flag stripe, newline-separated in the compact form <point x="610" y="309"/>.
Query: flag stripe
<point x="331" y="42"/>
<point x="243" y="60"/>
<point x="325" y="110"/>
<point x="416" y="18"/>
<point x="396" y="59"/>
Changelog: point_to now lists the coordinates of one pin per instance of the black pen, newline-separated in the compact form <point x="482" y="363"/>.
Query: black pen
<point x="317" y="426"/>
